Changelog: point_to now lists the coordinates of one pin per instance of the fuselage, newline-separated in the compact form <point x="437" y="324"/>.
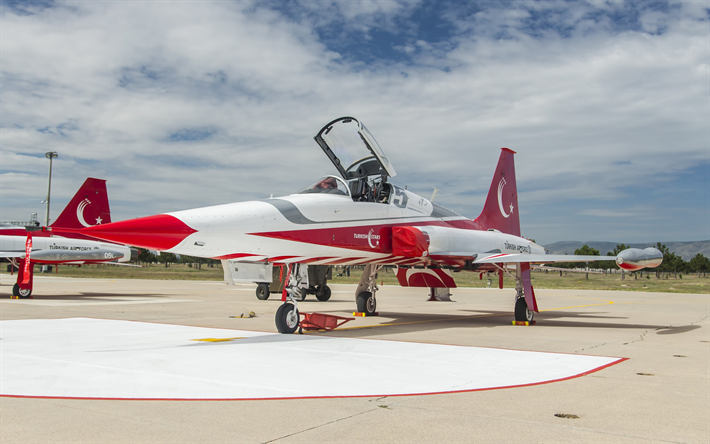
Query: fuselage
<point x="317" y="228"/>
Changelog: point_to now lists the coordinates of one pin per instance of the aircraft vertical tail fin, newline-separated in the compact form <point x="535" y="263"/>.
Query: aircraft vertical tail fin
<point x="500" y="211"/>
<point x="88" y="207"/>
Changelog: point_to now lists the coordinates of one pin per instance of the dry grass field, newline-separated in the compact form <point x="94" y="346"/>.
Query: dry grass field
<point x="687" y="283"/>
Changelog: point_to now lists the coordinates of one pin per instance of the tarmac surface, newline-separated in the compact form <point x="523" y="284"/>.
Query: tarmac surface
<point x="659" y="393"/>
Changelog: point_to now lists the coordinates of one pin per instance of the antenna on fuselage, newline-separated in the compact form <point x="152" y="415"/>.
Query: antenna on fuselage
<point x="433" y="195"/>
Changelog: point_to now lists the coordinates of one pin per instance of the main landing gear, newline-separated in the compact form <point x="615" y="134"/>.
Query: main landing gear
<point x="22" y="293"/>
<point x="23" y="288"/>
<point x="366" y="290"/>
<point x="522" y="312"/>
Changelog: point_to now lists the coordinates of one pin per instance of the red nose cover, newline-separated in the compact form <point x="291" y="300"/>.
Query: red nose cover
<point x="160" y="232"/>
<point x="409" y="242"/>
<point x="428" y="277"/>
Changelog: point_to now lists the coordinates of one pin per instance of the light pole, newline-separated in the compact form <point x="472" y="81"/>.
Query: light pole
<point x="50" y="155"/>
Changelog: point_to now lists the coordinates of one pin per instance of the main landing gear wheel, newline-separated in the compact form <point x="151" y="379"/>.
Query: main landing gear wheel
<point x="522" y="312"/>
<point x="22" y="293"/>
<point x="262" y="292"/>
<point x="366" y="303"/>
<point x="287" y="318"/>
<point x="323" y="294"/>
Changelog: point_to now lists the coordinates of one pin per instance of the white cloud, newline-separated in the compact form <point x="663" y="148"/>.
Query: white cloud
<point x="632" y="212"/>
<point x="593" y="110"/>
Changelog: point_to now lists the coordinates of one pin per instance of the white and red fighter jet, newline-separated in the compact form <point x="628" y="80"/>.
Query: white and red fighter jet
<point x="360" y="218"/>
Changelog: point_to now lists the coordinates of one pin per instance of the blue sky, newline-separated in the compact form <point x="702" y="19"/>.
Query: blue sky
<point x="186" y="104"/>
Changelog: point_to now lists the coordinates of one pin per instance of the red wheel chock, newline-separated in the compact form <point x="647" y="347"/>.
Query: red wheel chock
<point x="321" y="321"/>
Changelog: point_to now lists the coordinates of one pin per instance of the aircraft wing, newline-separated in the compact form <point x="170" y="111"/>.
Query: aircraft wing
<point x="517" y="258"/>
<point x="568" y="270"/>
<point x="12" y="253"/>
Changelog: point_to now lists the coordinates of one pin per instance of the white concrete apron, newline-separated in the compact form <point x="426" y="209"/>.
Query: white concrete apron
<point x="97" y="358"/>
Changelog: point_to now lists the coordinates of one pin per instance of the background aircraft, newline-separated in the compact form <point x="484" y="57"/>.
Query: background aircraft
<point x="26" y="246"/>
<point x="361" y="218"/>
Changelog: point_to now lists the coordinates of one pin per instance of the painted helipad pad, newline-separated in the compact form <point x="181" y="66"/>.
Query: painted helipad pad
<point x="96" y="358"/>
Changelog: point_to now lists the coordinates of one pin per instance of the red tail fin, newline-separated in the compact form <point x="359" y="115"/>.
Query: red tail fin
<point x="501" y="209"/>
<point x="88" y="207"/>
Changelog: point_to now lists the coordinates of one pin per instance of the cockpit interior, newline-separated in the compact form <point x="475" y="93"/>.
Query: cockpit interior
<point x="363" y="189"/>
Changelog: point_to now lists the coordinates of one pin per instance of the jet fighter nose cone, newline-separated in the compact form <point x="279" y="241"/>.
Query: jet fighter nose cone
<point x="159" y="232"/>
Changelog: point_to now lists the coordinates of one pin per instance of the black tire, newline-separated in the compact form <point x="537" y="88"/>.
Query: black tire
<point x="304" y="293"/>
<point x="22" y="294"/>
<point x="262" y="292"/>
<point x="323" y="294"/>
<point x="522" y="313"/>
<point x="284" y="322"/>
<point x="366" y="303"/>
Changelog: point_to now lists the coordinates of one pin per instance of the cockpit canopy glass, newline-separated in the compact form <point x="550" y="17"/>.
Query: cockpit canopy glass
<point x="327" y="185"/>
<point x="353" y="150"/>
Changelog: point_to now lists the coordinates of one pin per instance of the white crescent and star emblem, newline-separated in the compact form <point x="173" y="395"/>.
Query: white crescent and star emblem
<point x="501" y="184"/>
<point x="80" y="213"/>
<point x="369" y="239"/>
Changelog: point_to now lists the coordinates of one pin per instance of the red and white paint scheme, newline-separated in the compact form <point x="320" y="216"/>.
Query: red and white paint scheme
<point x="358" y="218"/>
<point x="26" y="246"/>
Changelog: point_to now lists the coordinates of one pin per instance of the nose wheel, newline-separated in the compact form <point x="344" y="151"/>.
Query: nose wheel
<point x="287" y="318"/>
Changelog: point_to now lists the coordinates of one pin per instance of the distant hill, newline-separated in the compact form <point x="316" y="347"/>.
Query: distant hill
<point x="686" y="250"/>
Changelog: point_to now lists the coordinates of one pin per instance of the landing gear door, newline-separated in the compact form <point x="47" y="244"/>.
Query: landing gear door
<point x="353" y="150"/>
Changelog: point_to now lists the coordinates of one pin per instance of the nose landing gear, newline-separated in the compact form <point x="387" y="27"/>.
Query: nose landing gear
<point x="287" y="316"/>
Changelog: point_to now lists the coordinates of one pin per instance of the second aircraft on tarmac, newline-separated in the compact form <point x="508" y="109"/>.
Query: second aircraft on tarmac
<point x="61" y="243"/>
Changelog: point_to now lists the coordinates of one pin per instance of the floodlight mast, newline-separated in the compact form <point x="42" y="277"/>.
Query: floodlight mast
<point x="49" y="155"/>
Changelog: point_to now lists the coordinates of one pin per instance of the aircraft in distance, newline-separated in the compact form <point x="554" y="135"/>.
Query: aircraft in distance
<point x="360" y="218"/>
<point x="26" y="246"/>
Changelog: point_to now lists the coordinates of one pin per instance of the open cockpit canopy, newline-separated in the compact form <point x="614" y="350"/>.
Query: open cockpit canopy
<point x="353" y="150"/>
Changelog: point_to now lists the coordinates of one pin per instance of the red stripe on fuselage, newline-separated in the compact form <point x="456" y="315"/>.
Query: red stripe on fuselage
<point x="370" y="238"/>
